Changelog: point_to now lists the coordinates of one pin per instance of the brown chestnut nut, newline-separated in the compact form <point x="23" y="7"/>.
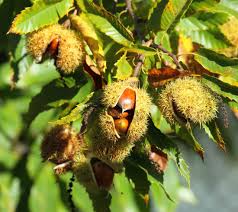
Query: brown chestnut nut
<point x="127" y="100"/>
<point x="116" y="113"/>
<point x="53" y="47"/>
<point x="121" y="126"/>
<point x="103" y="174"/>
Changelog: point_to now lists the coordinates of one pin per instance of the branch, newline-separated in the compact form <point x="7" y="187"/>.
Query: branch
<point x="134" y="17"/>
<point x="174" y="57"/>
<point x="138" y="66"/>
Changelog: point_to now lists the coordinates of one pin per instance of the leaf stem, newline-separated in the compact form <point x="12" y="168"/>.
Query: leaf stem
<point x="141" y="57"/>
<point x="174" y="57"/>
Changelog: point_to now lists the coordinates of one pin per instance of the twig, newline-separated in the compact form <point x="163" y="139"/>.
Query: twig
<point x="138" y="66"/>
<point x="134" y="17"/>
<point x="129" y="8"/>
<point x="67" y="22"/>
<point x="174" y="57"/>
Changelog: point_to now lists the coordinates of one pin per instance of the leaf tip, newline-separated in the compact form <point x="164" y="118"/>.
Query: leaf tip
<point x="200" y="152"/>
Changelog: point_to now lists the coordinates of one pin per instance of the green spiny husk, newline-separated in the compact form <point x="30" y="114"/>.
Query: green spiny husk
<point x="70" y="50"/>
<point x="194" y="101"/>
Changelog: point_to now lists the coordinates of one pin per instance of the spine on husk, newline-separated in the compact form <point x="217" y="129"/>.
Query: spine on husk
<point x="120" y="122"/>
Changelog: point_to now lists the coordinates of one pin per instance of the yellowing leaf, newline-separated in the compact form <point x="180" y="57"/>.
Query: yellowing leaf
<point x="124" y="69"/>
<point x="39" y="15"/>
<point x="139" y="49"/>
<point x="83" y="24"/>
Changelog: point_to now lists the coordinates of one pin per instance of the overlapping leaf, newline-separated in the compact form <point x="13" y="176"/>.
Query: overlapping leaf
<point x="200" y="32"/>
<point x="138" y="177"/>
<point x="173" y="11"/>
<point x="85" y="27"/>
<point x="42" y="13"/>
<point x="225" y="6"/>
<point x="224" y="89"/>
<point x="214" y="133"/>
<point x="107" y="23"/>
<point x="101" y="200"/>
<point x="116" y="23"/>
<point x="187" y="134"/>
<point x="218" y="64"/>
<point x="167" y="14"/>
<point x="50" y="93"/>
<point x="108" y="29"/>
<point x="124" y="69"/>
<point x="160" y="140"/>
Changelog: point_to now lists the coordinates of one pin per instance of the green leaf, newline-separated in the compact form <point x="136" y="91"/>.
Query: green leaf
<point x="39" y="123"/>
<point x="164" y="143"/>
<point x="73" y="111"/>
<point x="80" y="197"/>
<point x="101" y="200"/>
<point x="233" y="106"/>
<point x="138" y="176"/>
<point x="173" y="185"/>
<point x="10" y="192"/>
<point x="224" y="89"/>
<point x="220" y="59"/>
<point x="107" y="23"/>
<point x="144" y="9"/>
<point x="84" y="93"/>
<point x="212" y="64"/>
<point x="42" y="13"/>
<point x="74" y="115"/>
<point x="162" y="38"/>
<point x="188" y="136"/>
<point x="172" y="13"/>
<point x="83" y="4"/>
<point x="34" y="162"/>
<point x="143" y="162"/>
<point x="124" y="69"/>
<point x="50" y="93"/>
<point x="5" y="75"/>
<point x="122" y="195"/>
<point x="41" y="196"/>
<point x="163" y="203"/>
<point x="200" y="32"/>
<point x="36" y="74"/>
<point x="158" y="120"/>
<point x="214" y="134"/>
<point x="141" y="185"/>
<point x="229" y="6"/>
<point x="196" y="145"/>
<point x="92" y="8"/>
<point x="225" y="6"/>
<point x="11" y="125"/>
<point x="27" y="73"/>
<point x="108" y="29"/>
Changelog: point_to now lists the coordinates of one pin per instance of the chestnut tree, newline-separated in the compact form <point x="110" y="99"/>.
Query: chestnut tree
<point x="105" y="92"/>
